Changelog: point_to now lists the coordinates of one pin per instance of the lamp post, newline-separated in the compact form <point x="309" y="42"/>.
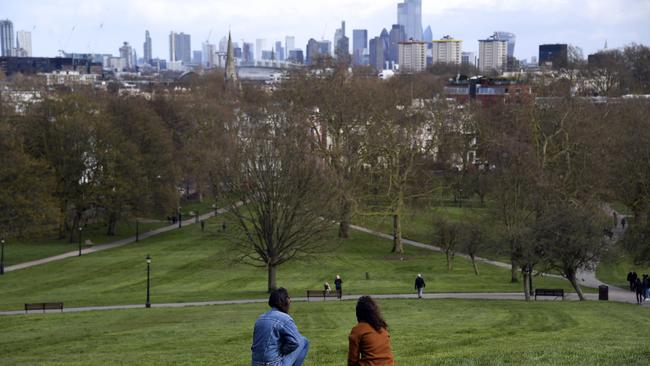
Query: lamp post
<point x="148" y="303"/>
<point x="80" y="228"/>
<point x="179" y="217"/>
<point x="2" y="257"/>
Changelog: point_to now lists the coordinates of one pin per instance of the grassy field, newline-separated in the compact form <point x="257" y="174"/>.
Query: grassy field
<point x="613" y="269"/>
<point x="190" y="265"/>
<point x="423" y="332"/>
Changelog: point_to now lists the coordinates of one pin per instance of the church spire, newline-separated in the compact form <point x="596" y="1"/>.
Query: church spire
<point x="231" y="78"/>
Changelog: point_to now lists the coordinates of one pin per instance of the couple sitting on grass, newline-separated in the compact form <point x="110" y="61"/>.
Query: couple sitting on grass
<point x="277" y="341"/>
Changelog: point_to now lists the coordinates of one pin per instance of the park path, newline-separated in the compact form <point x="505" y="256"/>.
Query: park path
<point x="115" y="244"/>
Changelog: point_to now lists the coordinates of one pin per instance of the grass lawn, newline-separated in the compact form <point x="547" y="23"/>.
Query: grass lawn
<point x="442" y="332"/>
<point x="614" y="268"/>
<point x="190" y="265"/>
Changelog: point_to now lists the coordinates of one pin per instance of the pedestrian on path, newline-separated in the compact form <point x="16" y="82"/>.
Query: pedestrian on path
<point x="369" y="341"/>
<point x="338" y="284"/>
<point x="639" y="291"/>
<point x="276" y="339"/>
<point x="419" y="285"/>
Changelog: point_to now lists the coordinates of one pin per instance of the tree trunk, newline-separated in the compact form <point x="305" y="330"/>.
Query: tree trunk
<point x="526" y="284"/>
<point x="344" y="226"/>
<point x="474" y="264"/>
<point x="574" y="283"/>
<point x="450" y="260"/>
<point x="513" y="271"/>
<point x="112" y="224"/>
<point x="272" y="271"/>
<point x="397" y="235"/>
<point x="75" y="227"/>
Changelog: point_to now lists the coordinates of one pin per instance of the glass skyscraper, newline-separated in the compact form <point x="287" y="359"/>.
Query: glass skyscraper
<point x="508" y="37"/>
<point x="409" y="15"/>
<point x="6" y="37"/>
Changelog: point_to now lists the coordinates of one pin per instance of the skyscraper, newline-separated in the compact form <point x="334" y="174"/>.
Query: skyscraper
<point x="397" y="35"/>
<point x="289" y="45"/>
<point x="6" y="37"/>
<point x="427" y="36"/>
<point x="126" y="53"/>
<point x="340" y="33"/>
<point x="377" y="47"/>
<point x="260" y="45"/>
<point x="359" y="44"/>
<point x="279" y="51"/>
<point x="180" y="47"/>
<point x="147" y="48"/>
<point x="248" y="53"/>
<point x="446" y="50"/>
<point x="508" y="37"/>
<point x="409" y="15"/>
<point x="207" y="55"/>
<point x="24" y="43"/>
<point x="493" y="54"/>
<point x="313" y="49"/>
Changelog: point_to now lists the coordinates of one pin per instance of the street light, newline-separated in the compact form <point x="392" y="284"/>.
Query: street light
<point x="2" y="257"/>
<point x="148" y="303"/>
<point x="80" y="228"/>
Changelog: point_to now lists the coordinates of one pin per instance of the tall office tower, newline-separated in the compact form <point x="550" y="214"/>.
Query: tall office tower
<point x="248" y="53"/>
<point x="126" y="53"/>
<point x="296" y="55"/>
<point x="24" y="43"/>
<point x="207" y="56"/>
<point x="492" y="54"/>
<point x="377" y="58"/>
<point x="468" y="58"/>
<point x="289" y="44"/>
<point x="260" y="45"/>
<point x="412" y="56"/>
<point x="279" y="51"/>
<point x="223" y="44"/>
<point x="555" y="55"/>
<point x="147" y="48"/>
<point x="397" y="35"/>
<point x="340" y="33"/>
<point x="197" y="57"/>
<point x="409" y="14"/>
<point x="342" y="51"/>
<point x="180" y="47"/>
<point x="385" y="39"/>
<point x="359" y="44"/>
<point x="313" y="50"/>
<point x="325" y="47"/>
<point x="6" y="38"/>
<point x="446" y="50"/>
<point x="508" y="37"/>
<point x="427" y="36"/>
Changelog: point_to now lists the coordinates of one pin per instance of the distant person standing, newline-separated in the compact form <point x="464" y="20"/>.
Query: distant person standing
<point x="369" y="341"/>
<point x="630" y="279"/>
<point x="639" y="290"/>
<point x="276" y="339"/>
<point x="419" y="285"/>
<point x="338" y="284"/>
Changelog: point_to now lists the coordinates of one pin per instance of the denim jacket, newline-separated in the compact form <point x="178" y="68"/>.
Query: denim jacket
<point x="275" y="335"/>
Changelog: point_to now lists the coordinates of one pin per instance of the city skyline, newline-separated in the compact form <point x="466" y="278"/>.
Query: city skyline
<point x="103" y="26"/>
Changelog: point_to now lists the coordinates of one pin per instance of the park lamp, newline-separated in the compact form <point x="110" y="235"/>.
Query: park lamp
<point x="148" y="302"/>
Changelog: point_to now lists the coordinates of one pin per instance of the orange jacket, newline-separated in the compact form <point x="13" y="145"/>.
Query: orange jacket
<point x="369" y="347"/>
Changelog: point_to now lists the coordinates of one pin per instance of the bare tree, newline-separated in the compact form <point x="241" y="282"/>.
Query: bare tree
<point x="447" y="237"/>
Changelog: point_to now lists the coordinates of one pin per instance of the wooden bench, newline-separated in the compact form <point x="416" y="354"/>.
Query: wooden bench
<point x="554" y="292"/>
<point x="324" y="294"/>
<point x="44" y="306"/>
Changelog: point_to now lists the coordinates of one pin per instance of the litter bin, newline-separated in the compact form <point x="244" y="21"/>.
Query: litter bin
<point x="603" y="293"/>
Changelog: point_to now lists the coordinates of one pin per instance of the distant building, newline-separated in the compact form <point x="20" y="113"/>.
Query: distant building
<point x="35" y="65"/>
<point x="147" y="48"/>
<point x="510" y="38"/>
<point x="427" y="36"/>
<point x="493" y="54"/>
<point x="24" y="43"/>
<point x="248" y="53"/>
<point x="197" y="57"/>
<point x="6" y="38"/>
<point x="446" y="50"/>
<point x="313" y="49"/>
<point x="343" y="49"/>
<point x="397" y="35"/>
<point x="296" y="55"/>
<point x="554" y="55"/>
<point x="338" y="35"/>
<point x="468" y="58"/>
<point x="279" y="51"/>
<point x="412" y="56"/>
<point x="409" y="15"/>
<point x="325" y="47"/>
<point x="488" y="91"/>
<point x="126" y="53"/>
<point x="207" y="55"/>
<point x="180" y="47"/>
<point x="289" y="45"/>
<point x="359" y="45"/>
<point x="268" y="55"/>
<point x="260" y="45"/>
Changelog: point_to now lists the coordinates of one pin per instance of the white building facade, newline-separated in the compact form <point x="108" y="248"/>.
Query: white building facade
<point x="446" y="50"/>
<point x="493" y="55"/>
<point x="412" y="56"/>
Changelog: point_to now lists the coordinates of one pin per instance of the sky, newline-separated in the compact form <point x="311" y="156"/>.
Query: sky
<point x="101" y="26"/>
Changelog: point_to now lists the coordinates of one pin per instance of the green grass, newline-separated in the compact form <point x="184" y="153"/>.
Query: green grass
<point x="443" y="332"/>
<point x="190" y="265"/>
<point x="613" y="269"/>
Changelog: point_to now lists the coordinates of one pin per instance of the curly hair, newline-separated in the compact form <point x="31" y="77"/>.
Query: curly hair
<point x="368" y="312"/>
<point x="279" y="299"/>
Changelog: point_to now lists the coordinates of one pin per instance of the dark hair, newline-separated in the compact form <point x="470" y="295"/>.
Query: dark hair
<point x="279" y="299"/>
<point x="368" y="312"/>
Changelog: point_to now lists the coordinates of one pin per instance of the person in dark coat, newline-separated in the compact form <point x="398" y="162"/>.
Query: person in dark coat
<point x="634" y="278"/>
<point x="630" y="279"/>
<point x="419" y="285"/>
<point x="338" y="284"/>
<point x="645" y="284"/>
<point x="639" y="291"/>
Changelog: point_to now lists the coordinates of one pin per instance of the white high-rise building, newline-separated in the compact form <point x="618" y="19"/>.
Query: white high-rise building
<point x="209" y="53"/>
<point x="409" y="14"/>
<point x="289" y="45"/>
<point x="260" y="45"/>
<point x="492" y="54"/>
<point x="24" y="43"/>
<point x="412" y="56"/>
<point x="446" y="50"/>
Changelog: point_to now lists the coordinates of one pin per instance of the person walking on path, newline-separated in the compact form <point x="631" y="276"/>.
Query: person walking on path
<point x="338" y="284"/>
<point x="630" y="279"/>
<point x="419" y="285"/>
<point x="276" y="339"/>
<point x="369" y="340"/>
<point x="639" y="291"/>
